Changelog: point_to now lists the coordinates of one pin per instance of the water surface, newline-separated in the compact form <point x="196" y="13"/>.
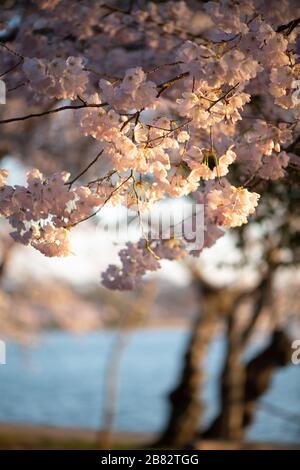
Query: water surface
<point x="60" y="382"/>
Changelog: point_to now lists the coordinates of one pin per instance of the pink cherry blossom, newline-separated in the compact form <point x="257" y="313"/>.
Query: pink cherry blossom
<point x="273" y="166"/>
<point x="176" y="99"/>
<point x="230" y="206"/>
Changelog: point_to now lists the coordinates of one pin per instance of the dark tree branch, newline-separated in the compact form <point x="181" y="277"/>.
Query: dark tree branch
<point x="165" y="85"/>
<point x="289" y="27"/>
<point x="262" y="294"/>
<point x="12" y="68"/>
<point x="51" y="111"/>
<point x="70" y="183"/>
<point x="293" y="145"/>
<point x="116" y="189"/>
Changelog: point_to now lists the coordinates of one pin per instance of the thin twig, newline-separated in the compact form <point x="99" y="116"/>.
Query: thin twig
<point x="70" y="183"/>
<point x="16" y="87"/>
<point x="148" y="246"/>
<point x="158" y="67"/>
<point x="166" y="85"/>
<point x="12" y="68"/>
<point x="128" y="121"/>
<point x="105" y="202"/>
<point x="11" y="51"/>
<point x="102" y="178"/>
<point x="223" y="96"/>
<point x="169" y="131"/>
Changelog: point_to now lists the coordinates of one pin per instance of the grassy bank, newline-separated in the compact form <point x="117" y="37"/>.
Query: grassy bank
<point x="23" y="436"/>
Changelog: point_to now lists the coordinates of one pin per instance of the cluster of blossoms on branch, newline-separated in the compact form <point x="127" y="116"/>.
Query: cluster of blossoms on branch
<point x="208" y="108"/>
<point x="43" y="212"/>
<point x="57" y="78"/>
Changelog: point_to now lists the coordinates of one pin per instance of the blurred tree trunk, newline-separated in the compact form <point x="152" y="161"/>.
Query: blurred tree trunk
<point x="220" y="304"/>
<point x="185" y="400"/>
<point x="242" y="385"/>
<point x="186" y="407"/>
<point x="260" y="370"/>
<point x="232" y="385"/>
<point x="257" y="379"/>
<point x="133" y="315"/>
<point x="112" y="376"/>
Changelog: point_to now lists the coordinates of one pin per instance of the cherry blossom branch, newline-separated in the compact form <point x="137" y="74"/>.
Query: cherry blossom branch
<point x="70" y="183"/>
<point x="166" y="85"/>
<point x="289" y="26"/>
<point x="182" y="160"/>
<point x="113" y="9"/>
<point x="168" y="131"/>
<point x="159" y="67"/>
<point x="102" y="178"/>
<point x="52" y="111"/>
<point x="17" y="87"/>
<point x="12" y="68"/>
<point x="251" y="178"/>
<point x="116" y="189"/>
<point x="148" y="246"/>
<point x="131" y="118"/>
<point x="11" y="51"/>
<point x="223" y="96"/>
<point x="174" y="33"/>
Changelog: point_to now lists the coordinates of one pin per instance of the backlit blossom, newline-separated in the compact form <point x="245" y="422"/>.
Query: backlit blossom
<point x="273" y="166"/>
<point x="230" y="206"/>
<point x="3" y="177"/>
<point x="134" y="92"/>
<point x="205" y="163"/>
<point x="52" y="241"/>
<point x="57" y="78"/>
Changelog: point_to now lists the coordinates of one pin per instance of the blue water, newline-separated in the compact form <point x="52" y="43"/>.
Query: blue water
<point x="60" y="382"/>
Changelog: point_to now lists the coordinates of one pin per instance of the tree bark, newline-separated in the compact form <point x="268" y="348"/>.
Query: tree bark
<point x="186" y="407"/>
<point x="185" y="401"/>
<point x="229" y="423"/>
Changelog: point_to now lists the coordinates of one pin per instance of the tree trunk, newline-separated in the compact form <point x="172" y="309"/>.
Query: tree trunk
<point x="186" y="407"/>
<point x="260" y="370"/>
<point x="229" y="423"/>
<point x="257" y="378"/>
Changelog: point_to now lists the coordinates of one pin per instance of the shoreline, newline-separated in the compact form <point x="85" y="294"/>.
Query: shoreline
<point x="17" y="436"/>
